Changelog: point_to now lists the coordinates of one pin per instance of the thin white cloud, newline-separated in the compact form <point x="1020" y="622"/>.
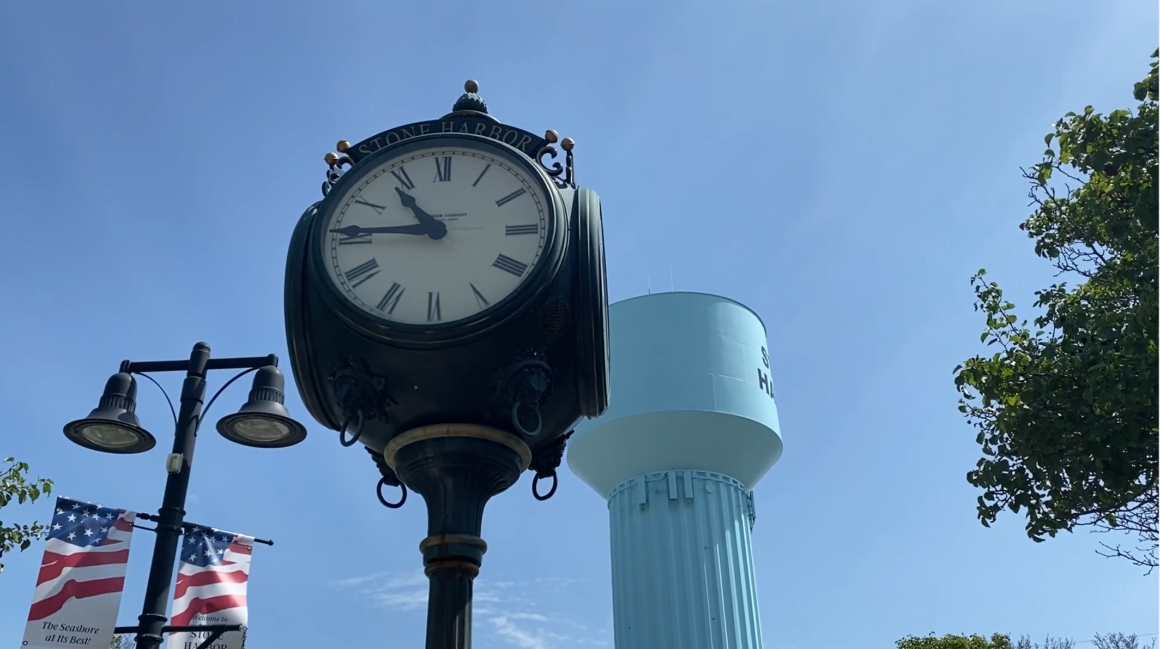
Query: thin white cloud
<point x="413" y="580"/>
<point x="516" y="635"/>
<point x="534" y="617"/>
<point x="506" y="613"/>
<point x="556" y="583"/>
<point x="402" y="601"/>
<point x="351" y="582"/>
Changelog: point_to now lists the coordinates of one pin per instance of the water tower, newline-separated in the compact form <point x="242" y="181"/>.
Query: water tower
<point x="691" y="428"/>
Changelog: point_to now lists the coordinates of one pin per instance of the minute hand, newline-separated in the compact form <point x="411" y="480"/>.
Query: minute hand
<point x="354" y="230"/>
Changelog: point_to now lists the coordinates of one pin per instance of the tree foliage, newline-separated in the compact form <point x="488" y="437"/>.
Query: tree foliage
<point x="1002" y="641"/>
<point x="1122" y="641"/>
<point x="1066" y="408"/>
<point x="996" y="641"/>
<point x="15" y="486"/>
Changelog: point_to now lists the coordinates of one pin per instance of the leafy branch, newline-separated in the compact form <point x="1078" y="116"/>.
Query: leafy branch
<point x="15" y="486"/>
<point x="1066" y="407"/>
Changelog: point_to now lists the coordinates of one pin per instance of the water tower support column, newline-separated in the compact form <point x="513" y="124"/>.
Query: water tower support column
<point x="691" y="531"/>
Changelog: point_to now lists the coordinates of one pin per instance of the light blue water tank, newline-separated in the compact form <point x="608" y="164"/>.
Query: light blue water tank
<point x="691" y="428"/>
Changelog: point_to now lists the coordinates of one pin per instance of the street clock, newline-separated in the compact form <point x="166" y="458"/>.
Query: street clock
<point x="453" y="274"/>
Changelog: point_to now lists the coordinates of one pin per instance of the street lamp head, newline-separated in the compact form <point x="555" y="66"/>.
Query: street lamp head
<point x="263" y="422"/>
<point x="113" y="427"/>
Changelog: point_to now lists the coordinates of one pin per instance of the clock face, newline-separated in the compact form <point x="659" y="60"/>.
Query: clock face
<point x="437" y="235"/>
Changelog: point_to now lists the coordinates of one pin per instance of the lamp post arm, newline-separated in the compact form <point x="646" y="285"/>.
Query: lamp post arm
<point x="241" y="363"/>
<point x="151" y="517"/>
<point x="222" y="389"/>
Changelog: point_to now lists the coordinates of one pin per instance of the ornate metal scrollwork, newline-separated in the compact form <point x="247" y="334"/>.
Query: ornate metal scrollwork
<point x="523" y="388"/>
<point x="335" y="162"/>
<point x="363" y="399"/>
<point x="554" y="169"/>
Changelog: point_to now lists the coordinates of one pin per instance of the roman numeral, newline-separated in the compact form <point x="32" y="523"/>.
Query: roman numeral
<point x="433" y="312"/>
<point x="480" y="176"/>
<point x="511" y="230"/>
<point x="509" y="265"/>
<point x="443" y="169"/>
<point x="391" y="298"/>
<point x="400" y="175"/>
<point x="377" y="208"/>
<point x="510" y="197"/>
<point x="356" y="239"/>
<point x="479" y="299"/>
<point x="361" y="273"/>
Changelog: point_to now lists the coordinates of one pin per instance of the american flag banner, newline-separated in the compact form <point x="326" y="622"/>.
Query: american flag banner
<point x="82" y="575"/>
<point x="211" y="586"/>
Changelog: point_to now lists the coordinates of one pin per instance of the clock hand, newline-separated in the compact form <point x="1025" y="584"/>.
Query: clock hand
<point x="354" y="230"/>
<point x="406" y="199"/>
<point x="436" y="229"/>
<point x="409" y="202"/>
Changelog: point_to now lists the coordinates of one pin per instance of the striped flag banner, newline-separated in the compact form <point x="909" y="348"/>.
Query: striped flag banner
<point x="82" y="575"/>
<point x="211" y="586"/>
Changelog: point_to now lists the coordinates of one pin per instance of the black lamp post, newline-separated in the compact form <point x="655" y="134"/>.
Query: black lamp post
<point x="457" y="468"/>
<point x="113" y="427"/>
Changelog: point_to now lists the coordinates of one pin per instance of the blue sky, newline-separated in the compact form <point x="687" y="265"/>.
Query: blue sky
<point x="840" y="167"/>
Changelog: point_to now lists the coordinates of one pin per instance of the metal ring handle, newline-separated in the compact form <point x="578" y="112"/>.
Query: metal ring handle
<point x="386" y="503"/>
<point x="536" y="490"/>
<point x="519" y="426"/>
<point x="343" y="439"/>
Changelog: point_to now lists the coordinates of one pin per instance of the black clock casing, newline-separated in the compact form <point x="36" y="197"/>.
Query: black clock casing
<point x="403" y="377"/>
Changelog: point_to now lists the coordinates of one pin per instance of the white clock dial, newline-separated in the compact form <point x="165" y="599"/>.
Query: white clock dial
<point x="436" y="236"/>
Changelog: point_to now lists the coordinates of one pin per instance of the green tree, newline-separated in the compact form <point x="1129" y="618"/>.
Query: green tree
<point x="996" y="641"/>
<point x="1002" y="641"/>
<point x="15" y="486"/>
<point x="1066" y="408"/>
<point x="1121" y="641"/>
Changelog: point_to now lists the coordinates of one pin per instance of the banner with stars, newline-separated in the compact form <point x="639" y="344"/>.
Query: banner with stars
<point x="211" y="586"/>
<point x="82" y="575"/>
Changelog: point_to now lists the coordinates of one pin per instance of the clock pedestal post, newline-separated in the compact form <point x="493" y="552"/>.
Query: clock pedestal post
<point x="457" y="468"/>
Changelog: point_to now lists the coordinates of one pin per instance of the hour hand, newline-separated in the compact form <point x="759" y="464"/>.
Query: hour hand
<point x="407" y="199"/>
<point x="436" y="229"/>
<point x="354" y="230"/>
<point x="410" y="203"/>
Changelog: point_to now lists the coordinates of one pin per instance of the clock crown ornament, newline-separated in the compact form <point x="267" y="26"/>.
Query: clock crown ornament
<point x="470" y="105"/>
<point x="470" y="99"/>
